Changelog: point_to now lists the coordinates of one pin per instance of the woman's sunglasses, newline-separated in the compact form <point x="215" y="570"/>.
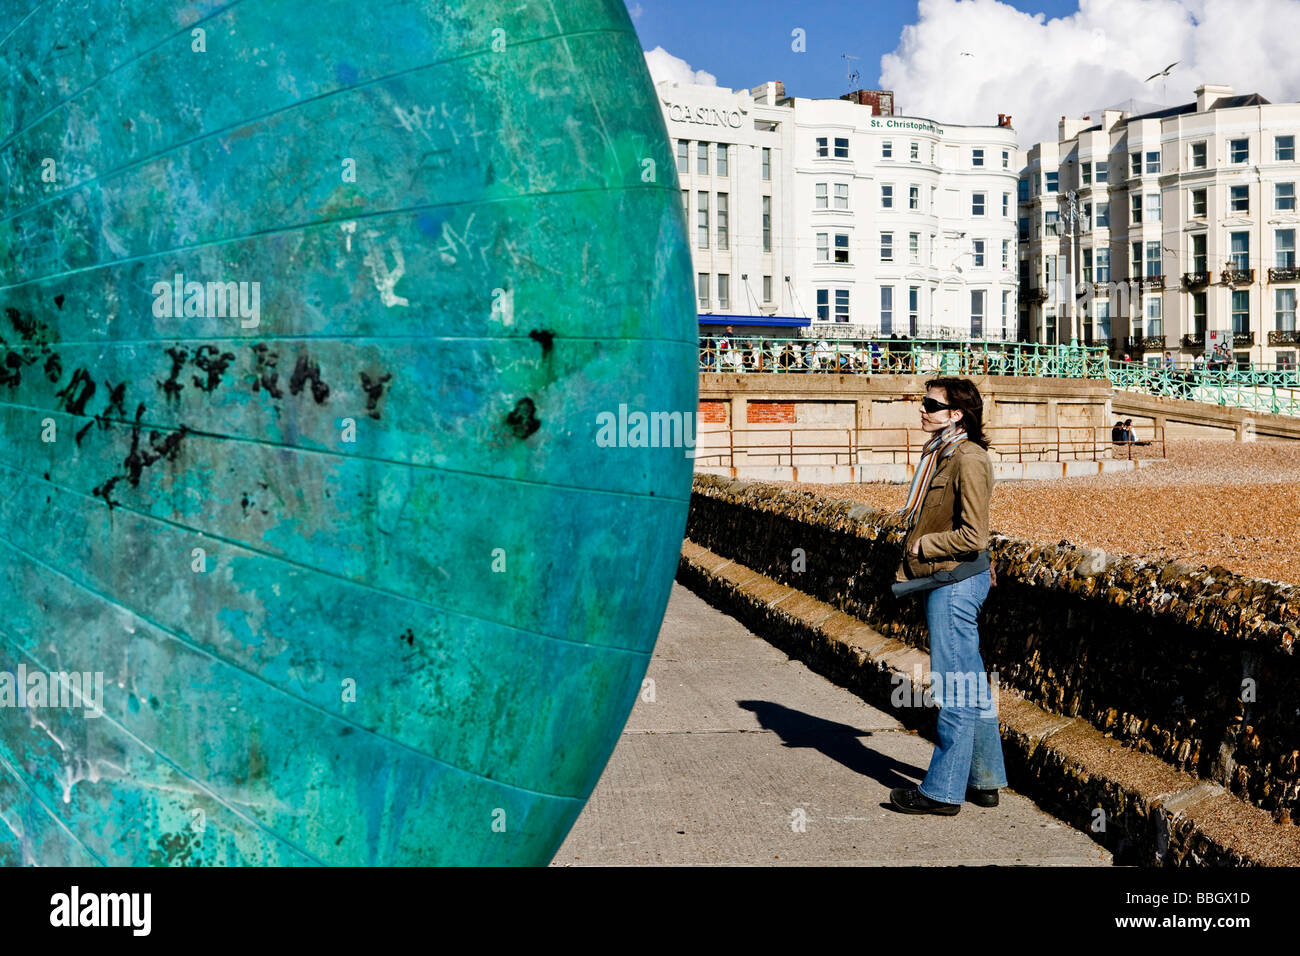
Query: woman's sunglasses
<point x="931" y="405"/>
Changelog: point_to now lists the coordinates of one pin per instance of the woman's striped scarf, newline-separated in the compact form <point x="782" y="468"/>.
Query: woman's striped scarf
<point x="937" y="448"/>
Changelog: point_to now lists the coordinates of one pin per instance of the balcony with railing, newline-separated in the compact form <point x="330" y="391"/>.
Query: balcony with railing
<point x="1284" y="274"/>
<point x="1195" y="280"/>
<point x="1236" y="276"/>
<point x="1150" y="282"/>
<point x="1283" y="337"/>
<point x="1145" y="343"/>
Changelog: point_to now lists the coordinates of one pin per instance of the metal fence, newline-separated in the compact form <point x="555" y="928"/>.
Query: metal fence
<point x="1257" y="388"/>
<point x="823" y="445"/>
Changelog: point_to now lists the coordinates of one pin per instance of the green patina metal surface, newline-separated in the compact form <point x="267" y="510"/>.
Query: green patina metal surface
<point x="362" y="584"/>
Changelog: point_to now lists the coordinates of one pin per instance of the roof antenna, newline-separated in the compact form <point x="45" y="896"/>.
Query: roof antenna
<point x="853" y="74"/>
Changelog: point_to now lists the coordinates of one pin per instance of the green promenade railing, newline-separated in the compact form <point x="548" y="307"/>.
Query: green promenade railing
<point x="1257" y="388"/>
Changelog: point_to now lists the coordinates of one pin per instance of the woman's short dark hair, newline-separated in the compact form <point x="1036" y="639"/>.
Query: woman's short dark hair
<point x="964" y="397"/>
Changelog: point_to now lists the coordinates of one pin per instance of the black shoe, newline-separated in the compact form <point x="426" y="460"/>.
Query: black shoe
<point x="914" y="801"/>
<point x="982" y="798"/>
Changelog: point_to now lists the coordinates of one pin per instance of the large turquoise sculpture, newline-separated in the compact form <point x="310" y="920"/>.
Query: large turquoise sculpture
<point x="362" y="585"/>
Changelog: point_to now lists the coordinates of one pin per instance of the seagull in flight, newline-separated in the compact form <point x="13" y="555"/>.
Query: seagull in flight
<point x="964" y="53"/>
<point x="1164" y="72"/>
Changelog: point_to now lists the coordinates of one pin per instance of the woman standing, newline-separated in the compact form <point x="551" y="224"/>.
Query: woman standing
<point x="945" y="556"/>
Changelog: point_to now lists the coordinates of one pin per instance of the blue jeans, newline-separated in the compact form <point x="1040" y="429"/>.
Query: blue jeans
<point x="969" y="752"/>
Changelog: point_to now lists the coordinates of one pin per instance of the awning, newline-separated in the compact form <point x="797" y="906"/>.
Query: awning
<point x="774" y="321"/>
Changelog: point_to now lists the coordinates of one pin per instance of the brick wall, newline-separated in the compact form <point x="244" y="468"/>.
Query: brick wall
<point x="770" y="413"/>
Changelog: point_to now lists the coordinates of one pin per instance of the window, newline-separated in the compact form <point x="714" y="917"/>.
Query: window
<point x="686" y="204"/>
<point x="1284" y="149"/>
<point x="1153" y="161"/>
<point x="913" y="197"/>
<point x="1284" y="310"/>
<point x="914" y="246"/>
<point x="724" y="202"/>
<point x="841" y="147"/>
<point x="702" y="158"/>
<point x="977" y="157"/>
<point x="841" y="305"/>
<point x="913" y="308"/>
<point x="1284" y="248"/>
<point x="1197" y="156"/>
<point x="1006" y="159"/>
<point x="1085" y="173"/>
<point x="1103" y="265"/>
<point x="767" y="288"/>
<point x="886" y="309"/>
<point x="767" y="163"/>
<point x="702" y="286"/>
<point x="1101" y="318"/>
<point x="1006" y="254"/>
<point x="1006" y="310"/>
<point x="977" y="313"/>
<point x="1284" y="197"/>
<point x="916" y="151"/>
<point x="823" y="247"/>
<point x="1198" y="253"/>
<point x="841" y="195"/>
<point x="1052" y="182"/>
<point x="1238" y="150"/>
<point x="886" y="247"/>
<point x="823" y="305"/>
<point x="1153" y="259"/>
<point x="1198" y="203"/>
<point x="1240" y="245"/>
<point x="724" y="291"/>
<point x="1102" y="172"/>
<point x="1239" y="198"/>
<point x="1024" y="228"/>
<point x="887" y="149"/>
<point x="683" y="156"/>
<point x="1052" y="217"/>
<point x="1087" y="265"/>
<point x="841" y="247"/>
<point x="823" y="148"/>
<point x="1006" y="205"/>
<point x="722" y="159"/>
<point x="1103" y="216"/>
<point x="1135" y="209"/>
<point x="1135" y="163"/>
<point x="1137" y="259"/>
<point x="702" y="219"/>
<point x="1155" y="316"/>
<point x="1198" y="313"/>
<point x="886" y="195"/>
<point x="767" y="223"/>
<point x="1240" y="311"/>
<point x="1153" y="207"/>
<point x="1022" y="191"/>
<point x="819" y="196"/>
<point x="977" y="253"/>
<point x="977" y="204"/>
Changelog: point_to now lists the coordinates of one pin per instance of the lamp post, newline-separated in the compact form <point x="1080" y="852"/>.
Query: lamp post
<point x="1073" y="215"/>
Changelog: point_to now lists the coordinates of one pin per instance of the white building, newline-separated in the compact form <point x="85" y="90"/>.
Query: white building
<point x="825" y="212"/>
<point x="1189" y="224"/>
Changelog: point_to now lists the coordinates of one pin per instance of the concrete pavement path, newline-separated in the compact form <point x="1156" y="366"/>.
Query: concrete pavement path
<point x="745" y="756"/>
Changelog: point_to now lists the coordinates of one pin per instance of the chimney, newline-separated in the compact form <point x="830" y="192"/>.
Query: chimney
<point x="1069" y="128"/>
<point x="880" y="101"/>
<point x="769" y="93"/>
<point x="1109" y="118"/>
<point x="1208" y="93"/>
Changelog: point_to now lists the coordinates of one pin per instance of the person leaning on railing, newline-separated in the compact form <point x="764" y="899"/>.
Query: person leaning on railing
<point x="945" y="554"/>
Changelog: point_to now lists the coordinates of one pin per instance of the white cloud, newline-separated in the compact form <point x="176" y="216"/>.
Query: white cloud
<point x="1038" y="69"/>
<point x="664" y="66"/>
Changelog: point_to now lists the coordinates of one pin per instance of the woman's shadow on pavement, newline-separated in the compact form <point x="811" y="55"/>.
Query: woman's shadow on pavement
<point x="839" y="742"/>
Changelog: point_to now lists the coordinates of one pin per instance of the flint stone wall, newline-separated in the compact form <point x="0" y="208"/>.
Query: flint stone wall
<point x="1195" y="665"/>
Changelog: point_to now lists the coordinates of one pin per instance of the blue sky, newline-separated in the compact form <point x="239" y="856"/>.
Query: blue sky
<point x="743" y="42"/>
